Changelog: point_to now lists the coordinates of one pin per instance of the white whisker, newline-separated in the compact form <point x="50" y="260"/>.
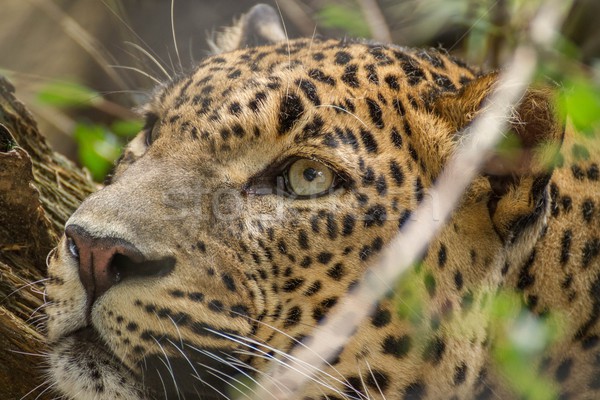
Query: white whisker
<point x="151" y="57"/>
<point x="139" y="71"/>
<point x="174" y="37"/>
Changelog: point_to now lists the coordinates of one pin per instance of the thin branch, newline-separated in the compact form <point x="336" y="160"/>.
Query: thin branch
<point x="376" y="21"/>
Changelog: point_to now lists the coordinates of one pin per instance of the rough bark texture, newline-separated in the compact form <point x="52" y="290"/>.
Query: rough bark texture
<point x="39" y="189"/>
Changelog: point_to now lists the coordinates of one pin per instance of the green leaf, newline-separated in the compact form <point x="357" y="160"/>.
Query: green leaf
<point x="98" y="149"/>
<point x="582" y="104"/>
<point x="346" y="18"/>
<point x="126" y="128"/>
<point x="68" y="94"/>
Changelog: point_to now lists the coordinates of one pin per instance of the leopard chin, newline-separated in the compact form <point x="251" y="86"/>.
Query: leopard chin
<point x="83" y="367"/>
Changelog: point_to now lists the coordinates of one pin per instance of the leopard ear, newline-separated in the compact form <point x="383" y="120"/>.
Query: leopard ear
<point x="520" y="168"/>
<point x="261" y="25"/>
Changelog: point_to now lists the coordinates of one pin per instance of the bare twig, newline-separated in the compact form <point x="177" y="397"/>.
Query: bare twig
<point x="299" y="17"/>
<point x="376" y="21"/>
<point x="405" y="249"/>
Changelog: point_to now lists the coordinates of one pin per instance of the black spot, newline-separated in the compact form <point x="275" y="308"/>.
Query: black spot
<point x="303" y="240"/>
<point x="377" y="380"/>
<point x="413" y="72"/>
<point x="567" y="203"/>
<point x="229" y="282"/>
<point x="239" y="310"/>
<point x="313" y="288"/>
<point x="309" y="90"/>
<point x="293" y="317"/>
<point x="392" y="82"/>
<point x="419" y="190"/>
<point x="396" y="346"/>
<point x="306" y="262"/>
<point x="442" y="256"/>
<point x="564" y="370"/>
<point x="330" y="141"/>
<point x="320" y="76"/>
<point x="443" y="82"/>
<point x="259" y="99"/>
<point x="368" y="140"/>
<point x="318" y="56"/>
<point x="375" y="113"/>
<point x="290" y="111"/>
<point x="587" y="210"/>
<point x="577" y="172"/>
<point x="368" y="177"/>
<point x="375" y="215"/>
<point x="292" y="284"/>
<point x="324" y="257"/>
<point x="324" y="306"/>
<point x="215" y="305"/>
<point x="525" y="277"/>
<point x="565" y="247"/>
<point x="237" y="130"/>
<point x="348" y="225"/>
<point x="381" y="185"/>
<point x="458" y="280"/>
<point x="381" y="318"/>
<point x="414" y="391"/>
<point x="196" y="296"/>
<point x="349" y="76"/>
<point x="404" y="218"/>
<point x="336" y="272"/>
<point x="397" y="173"/>
<point x="176" y="293"/>
<point x="234" y="74"/>
<point x="593" y="173"/>
<point x="397" y="104"/>
<point x="590" y="342"/>
<point x="132" y="327"/>
<point x="372" y="74"/>
<point x="590" y="250"/>
<point x="235" y="108"/>
<point x="434" y="351"/>
<point x="460" y="374"/>
<point x="396" y="138"/>
<point x="332" y="228"/>
<point x="342" y="58"/>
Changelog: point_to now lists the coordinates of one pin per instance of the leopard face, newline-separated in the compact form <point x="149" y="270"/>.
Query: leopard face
<point x="264" y="184"/>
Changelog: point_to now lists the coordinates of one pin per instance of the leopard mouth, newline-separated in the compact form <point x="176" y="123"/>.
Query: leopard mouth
<point x="157" y="376"/>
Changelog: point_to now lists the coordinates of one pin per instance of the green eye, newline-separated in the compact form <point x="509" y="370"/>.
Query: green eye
<point x="308" y="177"/>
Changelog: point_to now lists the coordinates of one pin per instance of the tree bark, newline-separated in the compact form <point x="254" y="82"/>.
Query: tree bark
<point x="39" y="189"/>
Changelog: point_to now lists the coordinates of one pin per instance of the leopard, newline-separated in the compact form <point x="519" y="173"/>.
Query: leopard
<point x="269" y="178"/>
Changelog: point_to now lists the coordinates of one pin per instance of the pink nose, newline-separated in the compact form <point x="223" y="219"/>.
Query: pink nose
<point x="106" y="261"/>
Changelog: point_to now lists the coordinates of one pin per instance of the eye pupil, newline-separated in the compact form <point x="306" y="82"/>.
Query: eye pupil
<point x="310" y="174"/>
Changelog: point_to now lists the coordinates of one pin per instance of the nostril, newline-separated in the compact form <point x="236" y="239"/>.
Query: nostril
<point x="72" y="246"/>
<point x="124" y="267"/>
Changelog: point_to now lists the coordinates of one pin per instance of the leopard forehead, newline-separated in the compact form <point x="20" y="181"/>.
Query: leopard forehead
<point x="266" y="93"/>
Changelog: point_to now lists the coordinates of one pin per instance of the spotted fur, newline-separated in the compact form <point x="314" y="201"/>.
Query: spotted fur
<point x="190" y="269"/>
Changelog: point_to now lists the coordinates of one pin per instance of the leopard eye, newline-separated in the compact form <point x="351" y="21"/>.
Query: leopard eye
<point x="306" y="177"/>
<point x="151" y="129"/>
<point x="151" y="135"/>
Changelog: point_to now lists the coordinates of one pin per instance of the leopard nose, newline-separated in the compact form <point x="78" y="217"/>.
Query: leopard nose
<point x="107" y="261"/>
